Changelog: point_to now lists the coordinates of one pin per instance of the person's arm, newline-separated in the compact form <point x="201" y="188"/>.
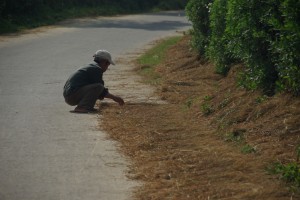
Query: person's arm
<point x="117" y="99"/>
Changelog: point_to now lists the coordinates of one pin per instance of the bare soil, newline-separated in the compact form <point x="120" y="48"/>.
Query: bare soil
<point x="184" y="149"/>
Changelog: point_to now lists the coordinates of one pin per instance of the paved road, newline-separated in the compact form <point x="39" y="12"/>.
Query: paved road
<point x="47" y="153"/>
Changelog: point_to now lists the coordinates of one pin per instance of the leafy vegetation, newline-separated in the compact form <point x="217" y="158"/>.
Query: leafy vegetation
<point x="198" y="14"/>
<point x="289" y="172"/>
<point x="246" y="149"/>
<point x="206" y="106"/>
<point x="217" y="48"/>
<point x="286" y="45"/>
<point x="18" y="14"/>
<point x="263" y="35"/>
<point x="261" y="99"/>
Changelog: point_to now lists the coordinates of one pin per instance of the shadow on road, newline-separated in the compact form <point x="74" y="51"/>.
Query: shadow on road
<point x="114" y="22"/>
<point x="128" y="24"/>
<point x="179" y="13"/>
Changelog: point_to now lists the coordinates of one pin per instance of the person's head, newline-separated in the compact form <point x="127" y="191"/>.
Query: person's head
<point x="103" y="58"/>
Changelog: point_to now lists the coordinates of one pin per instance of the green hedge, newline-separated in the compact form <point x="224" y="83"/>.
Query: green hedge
<point x="16" y="14"/>
<point x="250" y="37"/>
<point x="198" y="13"/>
<point x="286" y="45"/>
<point x="217" y="48"/>
<point x="264" y="35"/>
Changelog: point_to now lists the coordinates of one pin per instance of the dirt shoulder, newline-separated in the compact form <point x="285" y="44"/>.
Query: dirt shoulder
<point x="194" y="147"/>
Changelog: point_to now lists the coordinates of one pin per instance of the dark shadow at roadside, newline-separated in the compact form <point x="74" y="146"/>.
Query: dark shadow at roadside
<point x="179" y="13"/>
<point x="128" y="24"/>
<point x="133" y="24"/>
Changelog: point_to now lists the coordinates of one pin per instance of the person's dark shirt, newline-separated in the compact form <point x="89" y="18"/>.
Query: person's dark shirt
<point x="84" y="76"/>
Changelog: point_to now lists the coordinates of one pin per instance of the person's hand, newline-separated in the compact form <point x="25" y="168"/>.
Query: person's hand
<point x="119" y="100"/>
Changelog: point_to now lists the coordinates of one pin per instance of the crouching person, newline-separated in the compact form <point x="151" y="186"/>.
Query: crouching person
<point x="86" y="85"/>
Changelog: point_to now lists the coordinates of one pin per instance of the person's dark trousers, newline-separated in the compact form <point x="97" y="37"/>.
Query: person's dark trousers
<point x="85" y="96"/>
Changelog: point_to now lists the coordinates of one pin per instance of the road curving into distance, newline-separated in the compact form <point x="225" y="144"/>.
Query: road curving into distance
<point x="46" y="152"/>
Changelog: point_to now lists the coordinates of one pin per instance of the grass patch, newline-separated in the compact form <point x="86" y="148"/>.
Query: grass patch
<point x="238" y="138"/>
<point x="261" y="99"/>
<point x="207" y="109"/>
<point x="189" y="102"/>
<point x="153" y="57"/>
<point x="152" y="77"/>
<point x="289" y="172"/>
<point x="247" y="149"/>
<point x="206" y="106"/>
<point x="235" y="136"/>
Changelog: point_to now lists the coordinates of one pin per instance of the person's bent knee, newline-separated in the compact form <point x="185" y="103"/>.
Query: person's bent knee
<point x="70" y="102"/>
<point x="98" y="86"/>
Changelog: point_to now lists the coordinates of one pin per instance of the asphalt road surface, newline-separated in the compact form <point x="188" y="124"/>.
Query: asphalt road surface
<point x="46" y="152"/>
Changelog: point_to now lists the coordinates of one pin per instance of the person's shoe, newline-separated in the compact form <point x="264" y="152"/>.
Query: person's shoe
<point x="92" y="109"/>
<point x="80" y="109"/>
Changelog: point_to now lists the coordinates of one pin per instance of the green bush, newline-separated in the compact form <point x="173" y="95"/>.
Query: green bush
<point x="250" y="38"/>
<point x="217" y="49"/>
<point x="264" y="35"/>
<point x="198" y="13"/>
<point x="286" y="47"/>
<point x="18" y="14"/>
